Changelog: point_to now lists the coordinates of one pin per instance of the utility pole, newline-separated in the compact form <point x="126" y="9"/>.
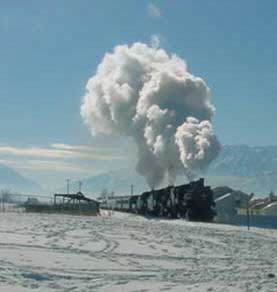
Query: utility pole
<point x="80" y="186"/>
<point x="67" y="185"/>
<point x="153" y="186"/>
<point x="132" y="190"/>
<point x="248" y="213"/>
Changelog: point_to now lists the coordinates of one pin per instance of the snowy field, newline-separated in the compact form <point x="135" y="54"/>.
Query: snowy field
<point x="123" y="252"/>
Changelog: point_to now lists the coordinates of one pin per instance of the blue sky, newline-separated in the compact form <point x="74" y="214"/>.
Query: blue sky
<point x="49" y="49"/>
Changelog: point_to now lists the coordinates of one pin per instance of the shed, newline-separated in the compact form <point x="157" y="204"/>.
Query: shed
<point x="69" y="203"/>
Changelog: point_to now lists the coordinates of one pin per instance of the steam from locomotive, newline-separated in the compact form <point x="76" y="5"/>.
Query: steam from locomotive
<point x="149" y="95"/>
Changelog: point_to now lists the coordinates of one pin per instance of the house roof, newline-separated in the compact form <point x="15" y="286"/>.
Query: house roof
<point x="223" y="197"/>
<point x="78" y="196"/>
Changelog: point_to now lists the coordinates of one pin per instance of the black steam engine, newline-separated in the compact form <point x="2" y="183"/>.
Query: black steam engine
<point x="192" y="201"/>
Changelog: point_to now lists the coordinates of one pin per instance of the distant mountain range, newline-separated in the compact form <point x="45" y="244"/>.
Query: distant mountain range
<point x="242" y="167"/>
<point x="245" y="161"/>
<point x="11" y="180"/>
<point x="251" y="169"/>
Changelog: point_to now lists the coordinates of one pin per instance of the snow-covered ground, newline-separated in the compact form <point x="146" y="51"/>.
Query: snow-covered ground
<point x="40" y="252"/>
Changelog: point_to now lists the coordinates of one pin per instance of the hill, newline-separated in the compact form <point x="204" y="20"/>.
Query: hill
<point x="245" y="161"/>
<point x="251" y="169"/>
<point x="13" y="181"/>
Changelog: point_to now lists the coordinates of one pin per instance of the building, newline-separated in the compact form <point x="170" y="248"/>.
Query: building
<point x="229" y="204"/>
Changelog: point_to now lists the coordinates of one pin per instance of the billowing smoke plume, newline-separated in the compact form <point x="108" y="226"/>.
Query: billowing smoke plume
<point x="149" y="95"/>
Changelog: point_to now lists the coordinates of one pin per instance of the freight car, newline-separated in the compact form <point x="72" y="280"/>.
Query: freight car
<point x="192" y="201"/>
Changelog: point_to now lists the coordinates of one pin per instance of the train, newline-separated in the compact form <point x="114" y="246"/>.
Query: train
<point x="193" y="201"/>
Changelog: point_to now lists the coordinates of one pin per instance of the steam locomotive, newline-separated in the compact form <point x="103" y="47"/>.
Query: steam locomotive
<point x="192" y="201"/>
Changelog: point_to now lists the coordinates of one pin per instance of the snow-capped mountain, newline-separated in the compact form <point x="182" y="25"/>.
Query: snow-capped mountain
<point x="251" y="169"/>
<point x="243" y="160"/>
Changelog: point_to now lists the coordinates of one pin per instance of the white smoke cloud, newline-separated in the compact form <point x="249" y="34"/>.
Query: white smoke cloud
<point x="194" y="140"/>
<point x="147" y="94"/>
